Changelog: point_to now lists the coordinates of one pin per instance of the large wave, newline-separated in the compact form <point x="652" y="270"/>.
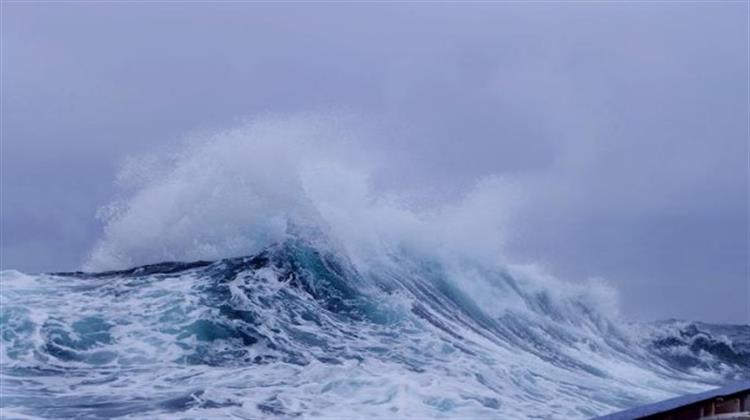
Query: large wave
<point x="232" y="193"/>
<point x="326" y="297"/>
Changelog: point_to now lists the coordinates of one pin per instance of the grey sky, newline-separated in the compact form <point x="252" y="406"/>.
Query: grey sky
<point x="627" y="123"/>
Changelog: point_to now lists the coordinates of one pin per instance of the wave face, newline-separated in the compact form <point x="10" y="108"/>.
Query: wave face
<point x="314" y="294"/>
<point x="298" y="330"/>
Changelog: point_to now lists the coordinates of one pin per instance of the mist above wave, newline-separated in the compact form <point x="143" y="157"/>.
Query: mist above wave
<point x="233" y="192"/>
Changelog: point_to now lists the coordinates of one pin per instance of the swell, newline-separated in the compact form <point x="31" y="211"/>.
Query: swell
<point x="297" y="329"/>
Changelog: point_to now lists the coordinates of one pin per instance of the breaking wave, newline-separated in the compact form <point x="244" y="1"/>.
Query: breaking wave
<point x="312" y="293"/>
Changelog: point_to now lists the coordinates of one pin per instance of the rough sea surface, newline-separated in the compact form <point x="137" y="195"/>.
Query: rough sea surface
<point x="318" y="294"/>
<point x="299" y="330"/>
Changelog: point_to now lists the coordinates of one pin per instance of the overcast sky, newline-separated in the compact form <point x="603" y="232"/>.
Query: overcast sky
<point x="627" y="123"/>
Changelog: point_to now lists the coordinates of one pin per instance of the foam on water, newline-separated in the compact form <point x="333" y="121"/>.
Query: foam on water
<point x="327" y="298"/>
<point x="295" y="330"/>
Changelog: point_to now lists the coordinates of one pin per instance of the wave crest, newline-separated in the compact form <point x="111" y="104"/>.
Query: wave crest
<point x="237" y="191"/>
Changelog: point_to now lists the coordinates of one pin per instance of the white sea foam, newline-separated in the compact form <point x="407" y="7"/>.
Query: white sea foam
<point x="135" y="345"/>
<point x="234" y="192"/>
<point x="428" y="318"/>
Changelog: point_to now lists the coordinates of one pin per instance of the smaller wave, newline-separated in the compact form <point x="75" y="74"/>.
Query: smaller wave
<point x="693" y="345"/>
